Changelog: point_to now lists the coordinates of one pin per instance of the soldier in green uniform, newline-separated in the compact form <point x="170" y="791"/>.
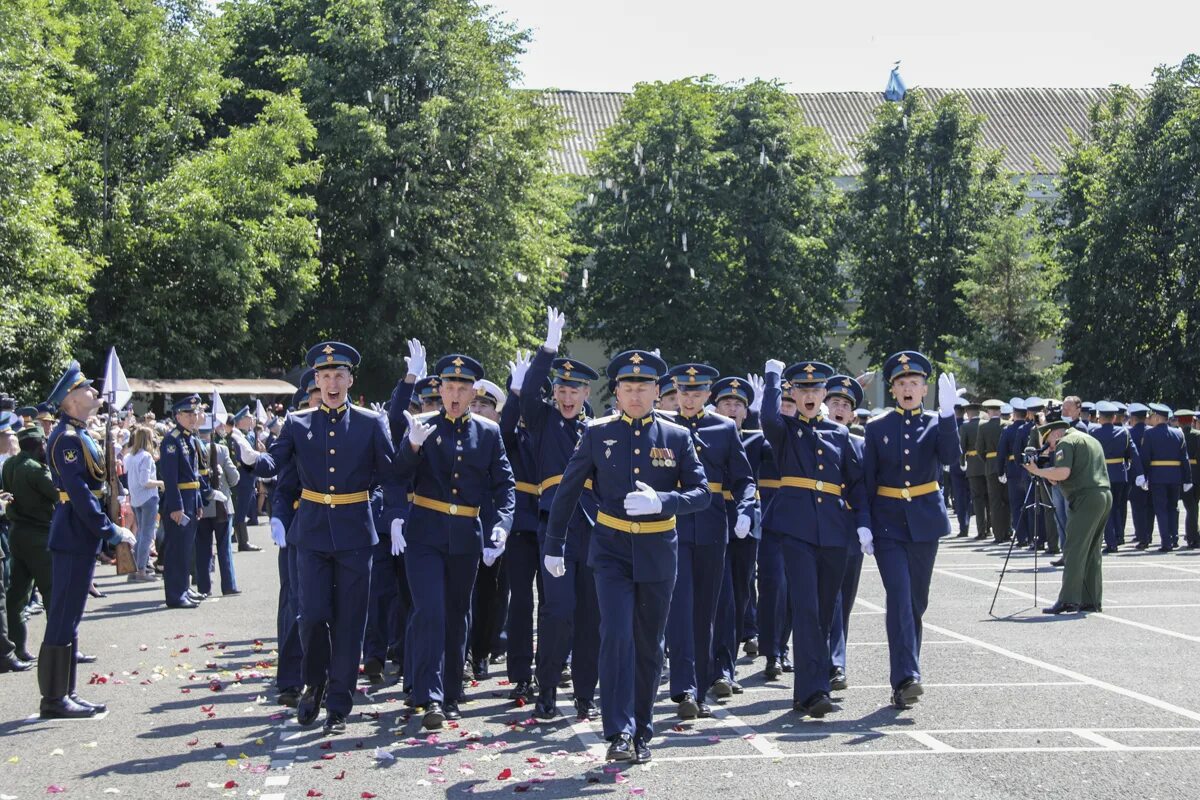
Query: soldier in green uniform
<point x="1191" y="498"/>
<point x="1080" y="472"/>
<point x="987" y="442"/>
<point x="967" y="435"/>
<point x="27" y="477"/>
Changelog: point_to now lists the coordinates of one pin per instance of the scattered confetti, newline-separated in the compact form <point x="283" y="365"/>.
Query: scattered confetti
<point x="383" y="755"/>
<point x="54" y="788"/>
<point x="504" y="775"/>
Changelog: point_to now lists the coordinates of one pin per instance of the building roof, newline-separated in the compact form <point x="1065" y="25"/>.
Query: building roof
<point x="1031" y="125"/>
<point x="205" y="386"/>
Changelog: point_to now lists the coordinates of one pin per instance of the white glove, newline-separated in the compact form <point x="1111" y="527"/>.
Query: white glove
<point x="398" y="543"/>
<point x="709" y="408"/>
<point x="1142" y="483"/>
<point x="490" y="554"/>
<point x="1187" y="487"/>
<point x="278" y="532"/>
<point x="758" y="385"/>
<point x="774" y="367"/>
<point x="1002" y="478"/>
<point x="518" y="368"/>
<point x="866" y="541"/>
<point x="219" y="497"/>
<point x="378" y="408"/>
<point x="415" y="358"/>
<point x="499" y="536"/>
<point x="125" y="535"/>
<point x="741" y="528"/>
<point x="642" y="502"/>
<point x="555" y="321"/>
<point x="555" y="565"/>
<point x="418" y="431"/>
<point x="947" y="394"/>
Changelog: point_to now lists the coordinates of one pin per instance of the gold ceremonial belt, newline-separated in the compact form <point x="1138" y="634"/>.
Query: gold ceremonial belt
<point x="335" y="499"/>
<point x="1114" y="461"/>
<point x="453" y="509"/>
<point x="1012" y="458"/>
<point x="63" y="497"/>
<point x="809" y="483"/>
<point x="628" y="526"/>
<point x="1166" y="463"/>
<point x="908" y="492"/>
<point x="528" y="488"/>
<point x="972" y="453"/>
<point x="770" y="483"/>
<point x="555" y="480"/>
<point x="189" y="485"/>
<point x="991" y="455"/>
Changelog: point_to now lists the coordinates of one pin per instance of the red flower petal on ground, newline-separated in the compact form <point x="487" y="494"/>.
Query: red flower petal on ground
<point x="314" y="793"/>
<point x="504" y="775"/>
<point x="231" y="784"/>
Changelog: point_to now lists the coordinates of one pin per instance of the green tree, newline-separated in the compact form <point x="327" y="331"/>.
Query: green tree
<point x="927" y="190"/>
<point x="43" y="277"/>
<point x="1010" y="298"/>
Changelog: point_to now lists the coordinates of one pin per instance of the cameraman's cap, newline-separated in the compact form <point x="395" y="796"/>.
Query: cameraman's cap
<point x="737" y="388"/>
<point x="31" y="432"/>
<point x="847" y="387"/>
<point x="694" y="377"/>
<point x="808" y="373"/>
<point x="1107" y="407"/>
<point x="456" y="367"/>
<point x="991" y="404"/>
<point x="906" y="362"/>
<point x="1159" y="408"/>
<point x="328" y="355"/>
<point x="636" y="365"/>
<point x="1138" y="410"/>
<point x="568" y="372"/>
<point x="1034" y="404"/>
<point x="1052" y="425"/>
<point x="1017" y="404"/>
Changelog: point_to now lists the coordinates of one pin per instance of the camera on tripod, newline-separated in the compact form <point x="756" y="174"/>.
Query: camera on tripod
<point x="1039" y="458"/>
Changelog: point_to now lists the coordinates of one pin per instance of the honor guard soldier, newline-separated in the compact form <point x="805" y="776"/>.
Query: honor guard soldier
<point x="1191" y="502"/>
<point x="1168" y="472"/>
<point x="703" y="538"/>
<point x="77" y="531"/>
<point x="1140" y="506"/>
<point x="842" y="395"/>
<point x="1124" y="465"/>
<point x="1012" y="474"/>
<point x="645" y="473"/>
<point x="968" y="433"/>
<point x="570" y="613"/>
<point x="819" y="510"/>
<point x="339" y="452"/>
<point x="185" y="493"/>
<point x="453" y="458"/>
<point x="905" y="449"/>
<point x="987" y="442"/>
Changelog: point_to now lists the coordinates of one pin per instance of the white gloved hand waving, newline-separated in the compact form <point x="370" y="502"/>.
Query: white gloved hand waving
<point x="397" y="532"/>
<point x="517" y="369"/>
<point x="418" y="431"/>
<point x="947" y="394"/>
<point x="757" y="385"/>
<point x="642" y="502"/>
<point x="555" y="322"/>
<point x="774" y="366"/>
<point x="415" y="358"/>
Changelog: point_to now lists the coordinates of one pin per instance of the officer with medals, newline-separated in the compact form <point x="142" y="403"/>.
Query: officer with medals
<point x="339" y="453"/>
<point x="645" y="473"/>
<point x="185" y="493"/>
<point x="842" y="395"/>
<point x="77" y="531"/>
<point x="819" y="510"/>
<point x="1167" y="473"/>
<point x="1124" y="464"/>
<point x="453" y="459"/>
<point x="905" y="450"/>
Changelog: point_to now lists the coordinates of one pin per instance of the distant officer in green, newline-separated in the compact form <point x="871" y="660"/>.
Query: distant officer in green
<point x="987" y="443"/>
<point x="968" y="432"/>
<point x="1080" y="472"/>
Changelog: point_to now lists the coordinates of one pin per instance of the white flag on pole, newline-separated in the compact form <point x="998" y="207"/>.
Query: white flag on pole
<point x="116" y="386"/>
<point x="260" y="413"/>
<point x="219" y="414"/>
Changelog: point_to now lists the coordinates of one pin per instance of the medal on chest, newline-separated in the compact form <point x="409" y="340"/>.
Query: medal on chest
<point x="608" y="443"/>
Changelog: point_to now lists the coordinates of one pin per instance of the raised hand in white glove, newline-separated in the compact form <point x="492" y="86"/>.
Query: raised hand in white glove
<point x="517" y="369"/>
<point x="415" y="359"/>
<point x="278" y="532"/>
<point x="741" y="528"/>
<point x="555" y="322"/>
<point x="642" y="502"/>
<point x="555" y="565"/>
<point x="947" y="394"/>
<point x="1187" y="487"/>
<point x="1142" y="483"/>
<point x="397" y="532"/>
<point x="1002" y="478"/>
<point x="418" y="431"/>
<point x="219" y="497"/>
<point x="709" y="408"/>
<point x="491" y="555"/>
<point x="757" y="384"/>
<point x="866" y="541"/>
<point x="499" y="536"/>
<point x="378" y="408"/>
<point x="774" y="366"/>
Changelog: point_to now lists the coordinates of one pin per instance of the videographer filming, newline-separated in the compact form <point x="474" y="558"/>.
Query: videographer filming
<point x="1078" y="469"/>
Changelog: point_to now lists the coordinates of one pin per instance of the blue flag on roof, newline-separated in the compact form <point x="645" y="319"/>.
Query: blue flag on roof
<point x="896" y="89"/>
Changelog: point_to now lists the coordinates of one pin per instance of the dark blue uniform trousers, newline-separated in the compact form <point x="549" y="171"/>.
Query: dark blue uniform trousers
<point x="441" y="586"/>
<point x="1143" y="515"/>
<point x="774" y="612"/>
<point x="489" y="607"/>
<point x="334" y="587"/>
<point x="1165" y="499"/>
<point x="814" y="578"/>
<point x="961" y="488"/>
<point x="692" y="614"/>
<point x="840" y="626"/>
<point x="210" y="531"/>
<point x="179" y="547"/>
<point x="245" y="500"/>
<point x="1017" y="500"/>
<point x="523" y="564"/>
<point x="633" y="621"/>
<point x="290" y="662"/>
<point x="732" y="605"/>
<point x="1114" y="528"/>
<point x="569" y="615"/>
<point x="384" y="604"/>
<point x="906" y="569"/>
<point x="70" y="578"/>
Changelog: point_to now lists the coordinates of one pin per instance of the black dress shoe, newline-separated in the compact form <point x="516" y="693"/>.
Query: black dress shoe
<point x="837" y="680"/>
<point x="1062" y="608"/>
<point x="687" y="707"/>
<point x="1091" y="608"/>
<point x="979" y="537"/>
<point x="722" y="687"/>
<point x="586" y="709"/>
<point x="184" y="603"/>
<point x="1140" y="546"/>
<point x="907" y="693"/>
<point x="1110" y="550"/>
<point x="546" y="710"/>
<point x="750" y="646"/>
<point x="10" y="663"/>
<point x="309" y="705"/>
<point x="620" y="749"/>
<point x="434" y="717"/>
<point x="641" y="752"/>
<point x="736" y="687"/>
<point x="335" y="724"/>
<point x="785" y="663"/>
<point x="816" y="706"/>
<point x="1166" y="548"/>
<point x="290" y="696"/>
<point x="84" y="658"/>
<point x="195" y="596"/>
<point x="704" y="711"/>
<point x="248" y="548"/>
<point x="23" y="655"/>
<point x="962" y="535"/>
<point x="451" y="711"/>
<point x="373" y="669"/>
<point x="1058" y="562"/>
<point x="772" y="670"/>
<point x="480" y="668"/>
<point x="523" y="690"/>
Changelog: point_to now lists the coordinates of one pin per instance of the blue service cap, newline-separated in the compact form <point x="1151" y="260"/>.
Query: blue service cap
<point x="298" y="398"/>
<point x="734" y="387"/>
<point x="862" y="413"/>
<point x="693" y="377"/>
<point x="1087" y="405"/>
<point x="666" y="385"/>
<point x="308" y="380"/>
<point x="72" y="379"/>
<point x="846" y="387"/>
<point x="8" y="421"/>
<point x="1121" y="407"/>
<point x="45" y="411"/>
<point x="1107" y="407"/>
<point x="1138" y="409"/>
<point x="457" y="367"/>
<point x="1159" y="408"/>
<point x="808" y="373"/>
<point x="189" y="402"/>
<point x="569" y="372"/>
<point x="242" y="413"/>
<point x="429" y="388"/>
<point x="906" y="362"/>
<point x="332" y="354"/>
<point x="636" y="365"/>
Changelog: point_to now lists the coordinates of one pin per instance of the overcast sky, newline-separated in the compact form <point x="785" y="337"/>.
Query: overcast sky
<point x="609" y="45"/>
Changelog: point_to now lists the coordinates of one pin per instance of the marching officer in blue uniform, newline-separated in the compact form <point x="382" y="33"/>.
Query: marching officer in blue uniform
<point x="818" y="511"/>
<point x="570" y="612"/>
<point x="703" y="537"/>
<point x="774" y="612"/>
<point x="340" y="453"/>
<point x="646" y="473"/>
<point x="1167" y="471"/>
<point x="842" y="395"/>
<point x="1012" y="473"/>
<point x="244" y="453"/>
<point x="453" y="458"/>
<point x="185" y="493"/>
<point x="1124" y="464"/>
<point x="78" y="528"/>
<point x="905" y="450"/>
<point x="960" y="486"/>
<point x="1141" y="509"/>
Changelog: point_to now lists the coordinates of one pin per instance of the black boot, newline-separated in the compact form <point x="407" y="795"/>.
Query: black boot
<point x="99" y="708"/>
<point x="54" y="676"/>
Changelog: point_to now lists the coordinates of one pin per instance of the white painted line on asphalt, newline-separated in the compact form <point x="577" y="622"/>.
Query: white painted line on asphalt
<point x="936" y="745"/>
<point x="1124" y="580"/>
<point x="1152" y="605"/>
<point x="1045" y="568"/>
<point x="1066" y="673"/>
<point x="1180" y="569"/>
<point x="990" y="685"/>
<point x="591" y="740"/>
<point x="869" y="753"/>
<point x="1099" y="739"/>
<point x="1105" y="616"/>
<point x="760" y="743"/>
<point x="884" y="644"/>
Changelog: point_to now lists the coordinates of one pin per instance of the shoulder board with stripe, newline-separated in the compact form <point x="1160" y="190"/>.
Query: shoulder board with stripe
<point x="428" y="415"/>
<point x="364" y="411"/>
<point x="603" y="420"/>
<point x="300" y="411"/>
<point x="878" y="417"/>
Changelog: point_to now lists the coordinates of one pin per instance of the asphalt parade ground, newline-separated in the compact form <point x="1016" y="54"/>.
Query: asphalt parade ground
<point x="1020" y="705"/>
